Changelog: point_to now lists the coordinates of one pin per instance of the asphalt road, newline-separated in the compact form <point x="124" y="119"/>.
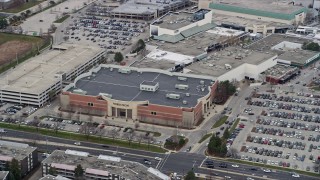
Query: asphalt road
<point x="180" y="162"/>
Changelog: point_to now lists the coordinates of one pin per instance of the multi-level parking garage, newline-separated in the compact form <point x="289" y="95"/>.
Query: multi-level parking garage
<point x="37" y="80"/>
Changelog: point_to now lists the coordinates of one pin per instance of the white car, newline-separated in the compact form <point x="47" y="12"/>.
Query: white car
<point x="267" y="170"/>
<point x="157" y="158"/>
<point x="249" y="178"/>
<point x="77" y="143"/>
<point x="296" y="175"/>
<point x="235" y="165"/>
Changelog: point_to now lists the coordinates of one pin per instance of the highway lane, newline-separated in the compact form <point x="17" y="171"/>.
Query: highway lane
<point x="34" y="136"/>
<point x="180" y="162"/>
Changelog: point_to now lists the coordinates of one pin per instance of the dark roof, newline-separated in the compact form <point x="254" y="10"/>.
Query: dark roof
<point x="126" y="87"/>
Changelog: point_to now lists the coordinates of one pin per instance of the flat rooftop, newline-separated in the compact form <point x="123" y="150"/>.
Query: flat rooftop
<point x="126" y="87"/>
<point x="279" y="70"/>
<point x="38" y="73"/>
<point x="265" y="44"/>
<point x="144" y="6"/>
<point x="274" y="6"/>
<point x="297" y="56"/>
<point x="214" y="65"/>
<point x="244" y="22"/>
<point x="127" y="169"/>
<point x="174" y="21"/>
<point x="15" y="150"/>
<point x="4" y="175"/>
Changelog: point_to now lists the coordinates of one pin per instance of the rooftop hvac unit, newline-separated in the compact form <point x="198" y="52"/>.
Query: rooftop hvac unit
<point x="124" y="71"/>
<point x="181" y="86"/>
<point x="106" y="95"/>
<point x="202" y="82"/>
<point x="182" y="78"/>
<point x="173" y="96"/>
<point x="184" y="102"/>
<point x="188" y="94"/>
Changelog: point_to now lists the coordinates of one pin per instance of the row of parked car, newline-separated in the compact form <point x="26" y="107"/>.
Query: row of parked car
<point x="309" y="101"/>
<point x="277" y="142"/>
<point x="287" y="124"/>
<point x="285" y="106"/>
<point x="278" y="132"/>
<point x="295" y="116"/>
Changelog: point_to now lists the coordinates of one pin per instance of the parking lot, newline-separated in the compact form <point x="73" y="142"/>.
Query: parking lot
<point x="282" y="130"/>
<point x="111" y="34"/>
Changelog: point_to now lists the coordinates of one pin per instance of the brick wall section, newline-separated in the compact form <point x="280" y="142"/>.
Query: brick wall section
<point x="162" y="112"/>
<point x="198" y="112"/>
<point x="213" y="89"/>
<point x="83" y="100"/>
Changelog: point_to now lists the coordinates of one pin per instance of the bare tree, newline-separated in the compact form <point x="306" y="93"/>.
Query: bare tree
<point x="136" y="125"/>
<point x="36" y="122"/>
<point x="114" y="133"/>
<point x="129" y="136"/>
<point x="101" y="131"/>
<point x="140" y="138"/>
<point x="86" y="129"/>
<point x="59" y="114"/>
<point x="149" y="140"/>
<point x="233" y="152"/>
<point x="56" y="126"/>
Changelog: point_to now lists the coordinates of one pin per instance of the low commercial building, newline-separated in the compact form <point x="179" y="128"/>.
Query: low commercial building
<point x="234" y="63"/>
<point x="37" y="80"/>
<point x="26" y="155"/>
<point x="147" y="9"/>
<point x="288" y="49"/>
<point x="280" y="74"/>
<point x="176" y="26"/>
<point x="97" y="167"/>
<point x="255" y="16"/>
<point x="51" y="177"/>
<point x="148" y="95"/>
<point x="4" y="175"/>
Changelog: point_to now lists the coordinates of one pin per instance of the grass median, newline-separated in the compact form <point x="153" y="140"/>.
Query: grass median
<point x="63" y="18"/>
<point x="220" y="122"/>
<point x="235" y="124"/>
<point x="205" y="137"/>
<point x="274" y="167"/>
<point x="83" y="137"/>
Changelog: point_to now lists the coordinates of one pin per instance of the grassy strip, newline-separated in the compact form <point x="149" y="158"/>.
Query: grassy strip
<point x="220" y="122"/>
<point x="26" y="56"/>
<point x="5" y="37"/>
<point x="82" y="137"/>
<point x="235" y="124"/>
<point x="22" y="7"/>
<point x="63" y="18"/>
<point x="274" y="167"/>
<point x="205" y="137"/>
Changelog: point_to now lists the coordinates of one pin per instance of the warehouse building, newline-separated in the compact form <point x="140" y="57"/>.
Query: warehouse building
<point x="148" y="95"/>
<point x="6" y="4"/>
<point x="37" y="80"/>
<point x="97" y="167"/>
<point x="256" y="16"/>
<point x="148" y="9"/>
<point x="26" y="155"/>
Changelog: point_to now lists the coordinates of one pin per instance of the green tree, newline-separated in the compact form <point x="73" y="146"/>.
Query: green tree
<point x="190" y="176"/>
<point x="3" y="23"/>
<point x="53" y="171"/>
<point x="214" y="145"/>
<point x="182" y="141"/>
<point x="78" y="172"/>
<point x="226" y="134"/>
<point x="118" y="57"/>
<point x="311" y="46"/>
<point x="14" y="168"/>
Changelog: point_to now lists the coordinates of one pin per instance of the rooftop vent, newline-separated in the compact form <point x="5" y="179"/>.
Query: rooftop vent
<point x="184" y="102"/>
<point x="111" y="69"/>
<point x="173" y="96"/>
<point x="106" y="95"/>
<point x="124" y="71"/>
<point x="202" y="82"/>
<point x="188" y="94"/>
